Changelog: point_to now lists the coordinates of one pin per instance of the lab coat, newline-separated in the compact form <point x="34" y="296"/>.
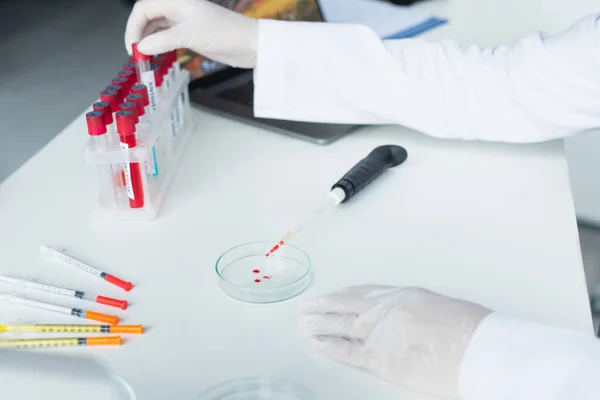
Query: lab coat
<point x="541" y="88"/>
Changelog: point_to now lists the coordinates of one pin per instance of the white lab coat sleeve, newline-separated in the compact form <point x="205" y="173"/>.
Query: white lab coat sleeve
<point x="511" y="359"/>
<point x="541" y="88"/>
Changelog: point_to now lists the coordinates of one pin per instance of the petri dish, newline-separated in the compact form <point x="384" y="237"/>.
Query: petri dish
<point x="258" y="388"/>
<point x="245" y="273"/>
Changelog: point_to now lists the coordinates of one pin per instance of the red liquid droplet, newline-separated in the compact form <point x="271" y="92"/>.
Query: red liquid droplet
<point x="257" y="280"/>
<point x="275" y="248"/>
<point x="267" y="277"/>
<point x="256" y="271"/>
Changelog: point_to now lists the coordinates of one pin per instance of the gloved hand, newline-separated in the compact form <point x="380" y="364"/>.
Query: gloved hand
<point x="203" y="27"/>
<point x="409" y="336"/>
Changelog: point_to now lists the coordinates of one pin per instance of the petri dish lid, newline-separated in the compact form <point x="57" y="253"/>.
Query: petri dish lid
<point x="258" y="388"/>
<point x="246" y="274"/>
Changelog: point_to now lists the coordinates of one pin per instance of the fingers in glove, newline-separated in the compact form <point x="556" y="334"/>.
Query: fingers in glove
<point x="145" y="11"/>
<point x="336" y="348"/>
<point x="336" y="303"/>
<point x="346" y="326"/>
<point x="163" y="41"/>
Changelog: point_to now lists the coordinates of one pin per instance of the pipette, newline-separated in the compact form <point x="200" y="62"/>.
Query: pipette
<point x="66" y="342"/>
<point x="76" y="312"/>
<point x="355" y="180"/>
<point x="47" y="328"/>
<point x="59" y="254"/>
<point x="78" y="294"/>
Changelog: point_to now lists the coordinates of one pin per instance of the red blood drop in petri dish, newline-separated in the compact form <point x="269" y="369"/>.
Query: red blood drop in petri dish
<point x="256" y="271"/>
<point x="267" y="277"/>
<point x="257" y="280"/>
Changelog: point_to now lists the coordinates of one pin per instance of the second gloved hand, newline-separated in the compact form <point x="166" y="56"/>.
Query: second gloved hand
<point x="409" y="336"/>
<point x="203" y="27"/>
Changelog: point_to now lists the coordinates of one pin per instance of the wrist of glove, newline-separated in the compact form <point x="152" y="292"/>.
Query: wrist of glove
<point x="409" y="336"/>
<point x="203" y="27"/>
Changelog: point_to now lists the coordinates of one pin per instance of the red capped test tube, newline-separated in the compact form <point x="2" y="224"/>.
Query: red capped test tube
<point x="118" y="89"/>
<point x="164" y="67"/>
<point x="139" y="103"/>
<point x="105" y="108"/>
<point x="175" y="75"/>
<point x="97" y="131"/>
<point x="146" y="76"/>
<point x="130" y="66"/>
<point x="130" y="76"/>
<point x="159" y="78"/>
<point x="130" y="106"/>
<point x="133" y="175"/>
<point x="141" y="89"/>
<point x="124" y="83"/>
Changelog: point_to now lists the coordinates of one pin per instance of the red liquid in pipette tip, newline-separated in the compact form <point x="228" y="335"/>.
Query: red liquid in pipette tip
<point x="275" y="248"/>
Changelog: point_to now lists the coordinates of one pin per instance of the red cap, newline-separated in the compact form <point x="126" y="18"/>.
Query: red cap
<point x="111" y="97"/>
<point x="164" y="63"/>
<point x="138" y="99"/>
<point x="137" y="56"/>
<point x="130" y="66"/>
<point x="139" y="102"/>
<point x="95" y="123"/>
<point x="130" y="106"/>
<point x="124" y="83"/>
<point x="143" y="90"/>
<point x="107" y="301"/>
<point x="158" y="75"/>
<point x="172" y="56"/>
<point x="105" y="109"/>
<point x="130" y="76"/>
<point x="125" y="122"/>
<point x="119" y="91"/>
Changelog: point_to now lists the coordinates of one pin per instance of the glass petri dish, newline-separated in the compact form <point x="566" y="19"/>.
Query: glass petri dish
<point x="258" y="388"/>
<point x="247" y="275"/>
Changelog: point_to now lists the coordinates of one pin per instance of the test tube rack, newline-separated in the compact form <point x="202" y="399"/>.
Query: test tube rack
<point x="158" y="141"/>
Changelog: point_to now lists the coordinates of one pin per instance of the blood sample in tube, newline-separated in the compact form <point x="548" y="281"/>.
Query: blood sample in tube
<point x="133" y="175"/>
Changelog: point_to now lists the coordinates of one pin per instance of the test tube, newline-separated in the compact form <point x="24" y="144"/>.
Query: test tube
<point x="151" y="164"/>
<point x="176" y="73"/>
<point x="130" y="76"/>
<point x="76" y="312"/>
<point x="141" y="89"/>
<point x="146" y="76"/>
<point x="107" y="113"/>
<point x="60" y="255"/>
<point x="133" y="177"/>
<point x="124" y="83"/>
<point x="47" y="328"/>
<point x="131" y="106"/>
<point x="138" y="99"/>
<point x="167" y="83"/>
<point x="119" y="91"/>
<point x="100" y="142"/>
<point x="78" y="294"/>
<point x="61" y="342"/>
<point x="130" y="66"/>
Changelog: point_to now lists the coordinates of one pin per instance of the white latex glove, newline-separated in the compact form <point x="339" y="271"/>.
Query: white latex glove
<point x="203" y="27"/>
<point x="409" y="336"/>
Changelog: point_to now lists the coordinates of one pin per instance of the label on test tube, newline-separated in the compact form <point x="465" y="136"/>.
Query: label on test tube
<point x="148" y="80"/>
<point x="127" y="172"/>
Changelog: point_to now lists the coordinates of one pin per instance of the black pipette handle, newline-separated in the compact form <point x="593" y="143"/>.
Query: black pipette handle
<point x="369" y="168"/>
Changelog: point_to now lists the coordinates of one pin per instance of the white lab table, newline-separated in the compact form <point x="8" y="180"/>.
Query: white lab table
<point x="490" y="223"/>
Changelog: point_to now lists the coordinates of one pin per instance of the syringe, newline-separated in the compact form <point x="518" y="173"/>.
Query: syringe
<point x="76" y="312"/>
<point x="61" y="342"/>
<point x="59" y="254"/>
<point x="78" y="294"/>
<point x="49" y="328"/>
<point x="355" y="180"/>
